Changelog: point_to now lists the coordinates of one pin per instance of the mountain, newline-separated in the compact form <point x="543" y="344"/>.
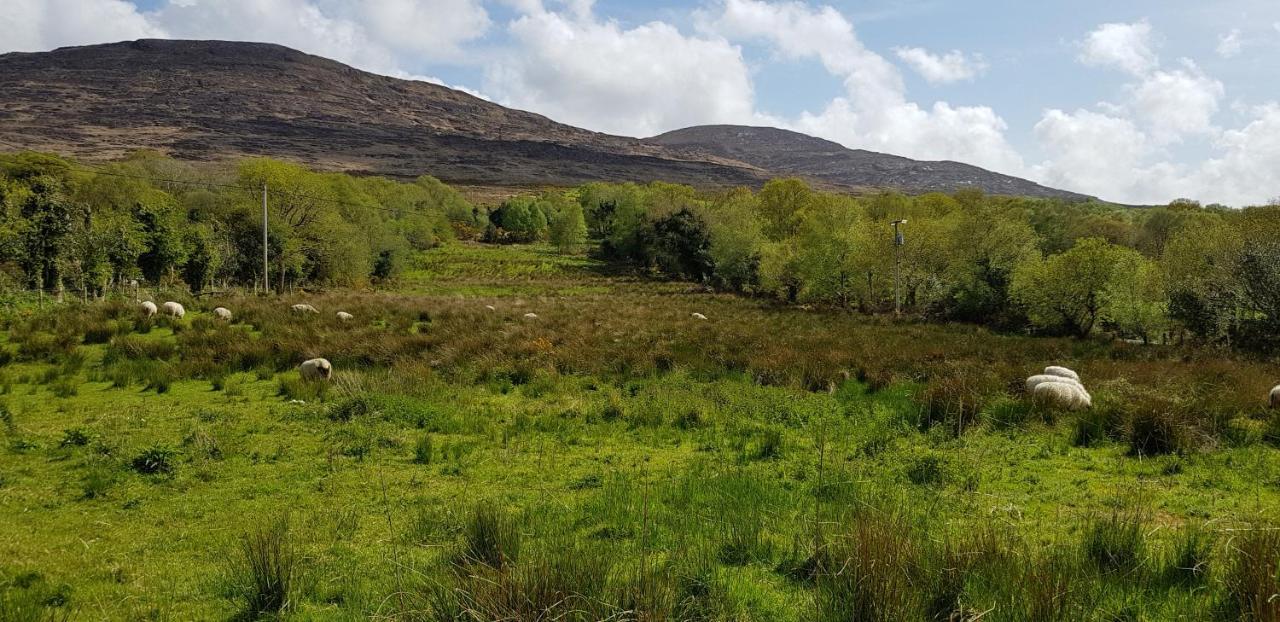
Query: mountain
<point x="211" y="100"/>
<point x="793" y="153"/>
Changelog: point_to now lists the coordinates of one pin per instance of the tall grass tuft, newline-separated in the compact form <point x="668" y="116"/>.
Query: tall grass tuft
<point x="1117" y="542"/>
<point x="874" y="575"/>
<point x="490" y="537"/>
<point x="1252" y="579"/>
<point x="264" y="575"/>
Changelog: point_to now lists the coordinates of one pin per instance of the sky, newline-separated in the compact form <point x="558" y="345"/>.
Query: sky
<point x="1140" y="101"/>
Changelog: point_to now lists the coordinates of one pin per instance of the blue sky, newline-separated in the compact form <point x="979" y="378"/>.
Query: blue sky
<point x="1137" y="101"/>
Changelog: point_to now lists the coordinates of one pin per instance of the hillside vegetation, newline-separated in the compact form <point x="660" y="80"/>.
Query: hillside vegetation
<point x="527" y="420"/>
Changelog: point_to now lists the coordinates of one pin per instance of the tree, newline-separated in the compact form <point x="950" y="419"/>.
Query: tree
<point x="984" y="247"/>
<point x="781" y="203"/>
<point x="48" y="215"/>
<point x="1199" y="264"/>
<point x="679" y="246"/>
<point x="1069" y="290"/>
<point x="569" y="228"/>
<point x="1137" y="305"/>
<point x="736" y="240"/>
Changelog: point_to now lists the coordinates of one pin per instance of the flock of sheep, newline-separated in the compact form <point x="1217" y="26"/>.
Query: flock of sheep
<point x="1057" y="386"/>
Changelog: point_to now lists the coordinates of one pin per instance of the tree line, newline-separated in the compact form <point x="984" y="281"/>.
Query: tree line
<point x="1175" y="271"/>
<point x="170" y="223"/>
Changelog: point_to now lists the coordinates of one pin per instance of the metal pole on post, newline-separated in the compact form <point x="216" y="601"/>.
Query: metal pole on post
<point x="266" y="271"/>
<point x="897" y="266"/>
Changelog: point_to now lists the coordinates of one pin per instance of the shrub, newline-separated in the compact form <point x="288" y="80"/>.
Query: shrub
<point x="490" y="537"/>
<point x="927" y="470"/>
<point x="1156" y="432"/>
<point x="156" y="460"/>
<point x="296" y="388"/>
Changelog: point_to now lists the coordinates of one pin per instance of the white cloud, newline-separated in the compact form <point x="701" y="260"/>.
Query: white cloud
<point x="874" y="113"/>
<point x="635" y="81"/>
<point x="1123" y="46"/>
<point x="1230" y="44"/>
<point x="1176" y="103"/>
<point x="39" y="25"/>
<point x="954" y="66"/>
<point x="428" y="29"/>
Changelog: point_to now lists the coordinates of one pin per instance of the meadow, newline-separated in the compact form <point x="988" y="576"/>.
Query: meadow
<point x="616" y="459"/>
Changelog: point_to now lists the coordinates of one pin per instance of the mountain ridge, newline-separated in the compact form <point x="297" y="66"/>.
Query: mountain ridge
<point x="211" y="100"/>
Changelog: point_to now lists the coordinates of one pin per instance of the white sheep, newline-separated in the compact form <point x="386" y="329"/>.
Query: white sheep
<point x="149" y="308"/>
<point x="316" y="369"/>
<point x="531" y="316"/>
<point x="345" y="317"/>
<point x="491" y="307"/>
<point x="303" y="308"/>
<point x="174" y="309"/>
<point x="1062" y="372"/>
<point x="1275" y="396"/>
<point x="1064" y="395"/>
<point x="699" y="316"/>
<point x="1039" y="379"/>
<point x="222" y="313"/>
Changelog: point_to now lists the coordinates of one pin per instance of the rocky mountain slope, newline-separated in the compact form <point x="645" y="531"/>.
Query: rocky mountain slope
<point x="211" y="100"/>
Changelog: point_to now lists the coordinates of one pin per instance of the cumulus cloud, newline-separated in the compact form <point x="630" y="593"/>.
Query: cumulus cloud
<point x="1178" y="102"/>
<point x="874" y="113"/>
<point x="38" y="25"/>
<point x="369" y="34"/>
<point x="954" y="66"/>
<point x="1127" y="47"/>
<point x="1230" y="44"/>
<point x="636" y="81"/>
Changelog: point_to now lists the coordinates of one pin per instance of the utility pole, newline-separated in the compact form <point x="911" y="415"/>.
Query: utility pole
<point x="897" y="266"/>
<point x="266" y="271"/>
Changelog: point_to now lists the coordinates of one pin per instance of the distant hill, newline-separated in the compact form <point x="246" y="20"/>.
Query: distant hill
<point x="212" y="100"/>
<point x="793" y="153"/>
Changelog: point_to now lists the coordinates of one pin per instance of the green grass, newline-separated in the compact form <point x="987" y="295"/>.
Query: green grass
<point x="614" y="459"/>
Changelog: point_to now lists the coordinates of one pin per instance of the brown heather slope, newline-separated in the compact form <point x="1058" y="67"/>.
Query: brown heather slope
<point x="212" y="100"/>
<point x="793" y="153"/>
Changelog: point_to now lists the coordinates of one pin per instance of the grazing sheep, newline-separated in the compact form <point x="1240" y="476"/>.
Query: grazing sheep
<point x="345" y="317"/>
<point x="1064" y="395"/>
<point x="149" y="308"/>
<point x="1275" y="396"/>
<point x="1033" y="381"/>
<point x="531" y="316"/>
<point x="699" y="316"/>
<point x="303" y="308"/>
<point x="491" y="307"/>
<point x="316" y="369"/>
<point x="222" y="313"/>
<point x="174" y="309"/>
<point x="1063" y="372"/>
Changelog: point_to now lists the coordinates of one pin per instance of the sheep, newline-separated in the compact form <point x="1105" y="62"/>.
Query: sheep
<point x="316" y="369"/>
<point x="531" y="316"/>
<point x="303" y="308"/>
<point x="699" y="316"/>
<point x="1275" y="396"/>
<point x="149" y="308"/>
<point x="345" y="317"/>
<point x="1062" y="395"/>
<point x="222" y="313"/>
<point x="1062" y="372"/>
<point x="1043" y="378"/>
<point x="174" y="309"/>
<point x="491" y="307"/>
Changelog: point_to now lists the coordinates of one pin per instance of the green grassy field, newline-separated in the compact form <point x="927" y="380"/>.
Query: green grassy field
<point x="615" y="458"/>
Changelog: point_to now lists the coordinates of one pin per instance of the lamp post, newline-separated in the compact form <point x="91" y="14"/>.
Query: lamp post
<point x="897" y="265"/>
